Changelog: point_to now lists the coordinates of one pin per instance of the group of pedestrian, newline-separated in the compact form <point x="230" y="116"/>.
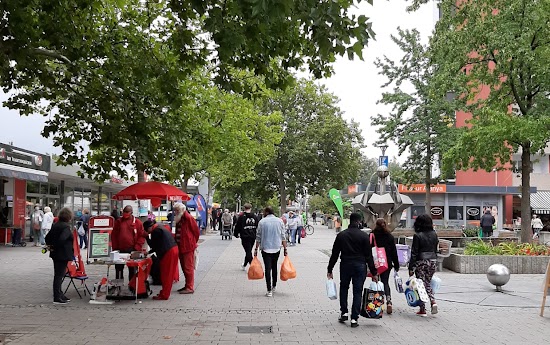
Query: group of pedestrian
<point x="354" y="248"/>
<point x="130" y="234"/>
<point x="41" y="223"/>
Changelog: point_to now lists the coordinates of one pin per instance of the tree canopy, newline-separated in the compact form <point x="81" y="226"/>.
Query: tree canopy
<point x="109" y="73"/>
<point x="495" y="56"/>
<point x="421" y="120"/>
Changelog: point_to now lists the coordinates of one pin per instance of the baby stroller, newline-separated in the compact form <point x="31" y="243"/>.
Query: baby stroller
<point x="227" y="232"/>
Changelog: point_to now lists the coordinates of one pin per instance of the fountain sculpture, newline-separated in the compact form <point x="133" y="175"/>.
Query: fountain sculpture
<point x="382" y="200"/>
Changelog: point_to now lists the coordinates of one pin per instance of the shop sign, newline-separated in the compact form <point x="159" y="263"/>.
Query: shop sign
<point x="436" y="211"/>
<point x="474" y="211"/>
<point x="421" y="188"/>
<point x="11" y="155"/>
<point x="117" y="180"/>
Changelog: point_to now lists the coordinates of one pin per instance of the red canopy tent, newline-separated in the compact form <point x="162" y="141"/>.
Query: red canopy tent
<point x="155" y="191"/>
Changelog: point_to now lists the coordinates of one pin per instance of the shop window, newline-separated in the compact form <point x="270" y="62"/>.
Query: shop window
<point x="437" y="212"/>
<point x="455" y="213"/>
<point x="33" y="187"/>
<point x="44" y="188"/>
<point x="53" y="189"/>
<point x="417" y="211"/>
<point x="473" y="212"/>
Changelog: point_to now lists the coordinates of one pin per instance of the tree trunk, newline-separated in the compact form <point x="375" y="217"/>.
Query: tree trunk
<point x="141" y="176"/>
<point x="282" y="190"/>
<point x="184" y="184"/>
<point x="208" y="193"/>
<point x="526" y="232"/>
<point x="428" y="180"/>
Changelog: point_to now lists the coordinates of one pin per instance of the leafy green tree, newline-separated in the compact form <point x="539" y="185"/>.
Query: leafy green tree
<point x="109" y="74"/>
<point x="368" y="168"/>
<point x="503" y="49"/>
<point x="322" y="203"/>
<point x="420" y="122"/>
<point x="319" y="149"/>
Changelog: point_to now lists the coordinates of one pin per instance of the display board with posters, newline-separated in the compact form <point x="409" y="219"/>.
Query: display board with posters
<point x="99" y="237"/>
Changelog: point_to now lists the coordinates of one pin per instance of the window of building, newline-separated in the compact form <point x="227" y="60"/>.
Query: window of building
<point x="473" y="212"/>
<point x="53" y="189"/>
<point x="455" y="213"/>
<point x="33" y="187"/>
<point x="516" y="166"/>
<point x="44" y="188"/>
<point x="437" y="212"/>
<point x="417" y="211"/>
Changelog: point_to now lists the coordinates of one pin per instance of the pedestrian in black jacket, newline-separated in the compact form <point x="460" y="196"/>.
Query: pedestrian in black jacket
<point x="246" y="227"/>
<point x="385" y="239"/>
<point x="163" y="244"/>
<point x="355" y="253"/>
<point x="424" y="257"/>
<point x="60" y="243"/>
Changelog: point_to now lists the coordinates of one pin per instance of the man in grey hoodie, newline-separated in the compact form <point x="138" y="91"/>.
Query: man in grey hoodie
<point x="270" y="236"/>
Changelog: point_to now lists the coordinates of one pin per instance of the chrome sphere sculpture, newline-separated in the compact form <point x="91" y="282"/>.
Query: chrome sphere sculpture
<point x="498" y="275"/>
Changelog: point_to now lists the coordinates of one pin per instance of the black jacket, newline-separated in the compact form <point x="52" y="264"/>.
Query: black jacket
<point x="246" y="226"/>
<point x="487" y="220"/>
<point x="161" y="241"/>
<point x="386" y="240"/>
<point x="424" y="247"/>
<point x="352" y="245"/>
<point x="60" y="240"/>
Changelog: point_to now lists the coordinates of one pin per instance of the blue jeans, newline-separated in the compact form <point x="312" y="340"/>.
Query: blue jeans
<point x="293" y="235"/>
<point x="354" y="272"/>
<point x="83" y="240"/>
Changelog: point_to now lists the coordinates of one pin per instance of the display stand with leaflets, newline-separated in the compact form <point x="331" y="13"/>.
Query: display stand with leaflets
<point x="99" y="238"/>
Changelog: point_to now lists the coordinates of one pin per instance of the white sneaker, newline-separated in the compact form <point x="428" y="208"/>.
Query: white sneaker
<point x="243" y="267"/>
<point x="269" y="294"/>
<point x="273" y="289"/>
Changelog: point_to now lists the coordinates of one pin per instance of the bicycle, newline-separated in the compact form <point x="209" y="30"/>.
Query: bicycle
<point x="309" y="229"/>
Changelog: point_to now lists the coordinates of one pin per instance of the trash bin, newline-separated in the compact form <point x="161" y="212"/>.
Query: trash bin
<point x="403" y="253"/>
<point x="16" y="238"/>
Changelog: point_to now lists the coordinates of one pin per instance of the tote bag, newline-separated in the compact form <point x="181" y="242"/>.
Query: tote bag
<point x="372" y="301"/>
<point x="379" y="255"/>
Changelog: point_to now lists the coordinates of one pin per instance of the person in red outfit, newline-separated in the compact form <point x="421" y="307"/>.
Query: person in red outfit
<point x="162" y="243"/>
<point x="187" y="236"/>
<point x="127" y="236"/>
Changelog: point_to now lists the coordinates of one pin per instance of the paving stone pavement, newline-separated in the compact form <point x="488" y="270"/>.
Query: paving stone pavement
<point x="471" y="312"/>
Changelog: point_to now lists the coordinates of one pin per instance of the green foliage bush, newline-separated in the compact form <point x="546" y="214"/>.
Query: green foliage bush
<point x="506" y="248"/>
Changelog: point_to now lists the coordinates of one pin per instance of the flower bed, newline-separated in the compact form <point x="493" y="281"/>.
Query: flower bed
<point x="519" y="258"/>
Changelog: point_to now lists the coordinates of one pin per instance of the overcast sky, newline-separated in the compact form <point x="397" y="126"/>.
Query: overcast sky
<point x="356" y="83"/>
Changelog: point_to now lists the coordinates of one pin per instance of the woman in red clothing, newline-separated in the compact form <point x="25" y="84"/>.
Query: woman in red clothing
<point x="163" y="244"/>
<point x="127" y="236"/>
<point x="187" y="236"/>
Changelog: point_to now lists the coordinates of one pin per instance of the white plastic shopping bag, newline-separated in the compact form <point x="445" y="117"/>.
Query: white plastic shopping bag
<point x="398" y="283"/>
<point x="435" y="283"/>
<point x="331" y="289"/>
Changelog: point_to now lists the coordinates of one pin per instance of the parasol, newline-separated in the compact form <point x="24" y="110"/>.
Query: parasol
<point x="151" y="190"/>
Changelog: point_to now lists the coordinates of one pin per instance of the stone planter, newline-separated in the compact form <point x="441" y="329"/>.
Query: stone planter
<point x="544" y="237"/>
<point x="478" y="264"/>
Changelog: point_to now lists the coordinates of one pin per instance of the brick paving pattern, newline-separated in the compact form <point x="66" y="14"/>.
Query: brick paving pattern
<point x="299" y="312"/>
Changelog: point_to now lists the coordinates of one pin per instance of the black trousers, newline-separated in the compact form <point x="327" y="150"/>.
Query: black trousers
<point x="352" y="272"/>
<point x="270" y="263"/>
<point x="59" y="269"/>
<point x="248" y="243"/>
<point x="385" y="277"/>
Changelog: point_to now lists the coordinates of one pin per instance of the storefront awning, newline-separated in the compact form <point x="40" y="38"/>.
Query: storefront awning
<point x="540" y="202"/>
<point x="23" y="175"/>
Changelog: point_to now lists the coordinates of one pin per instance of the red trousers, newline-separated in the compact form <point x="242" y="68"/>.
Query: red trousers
<point x="169" y="272"/>
<point x="187" y="261"/>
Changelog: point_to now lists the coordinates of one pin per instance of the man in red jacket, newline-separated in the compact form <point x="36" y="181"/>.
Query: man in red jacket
<point x="187" y="236"/>
<point x="127" y="236"/>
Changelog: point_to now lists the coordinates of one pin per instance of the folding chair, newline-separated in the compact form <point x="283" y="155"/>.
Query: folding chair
<point x="74" y="274"/>
<point x="76" y="270"/>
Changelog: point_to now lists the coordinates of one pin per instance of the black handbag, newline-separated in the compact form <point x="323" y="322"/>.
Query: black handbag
<point x="372" y="301"/>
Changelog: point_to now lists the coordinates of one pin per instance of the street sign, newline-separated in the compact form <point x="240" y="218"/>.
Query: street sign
<point x="383" y="160"/>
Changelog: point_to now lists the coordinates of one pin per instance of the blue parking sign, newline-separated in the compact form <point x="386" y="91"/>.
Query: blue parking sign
<point x="383" y="160"/>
